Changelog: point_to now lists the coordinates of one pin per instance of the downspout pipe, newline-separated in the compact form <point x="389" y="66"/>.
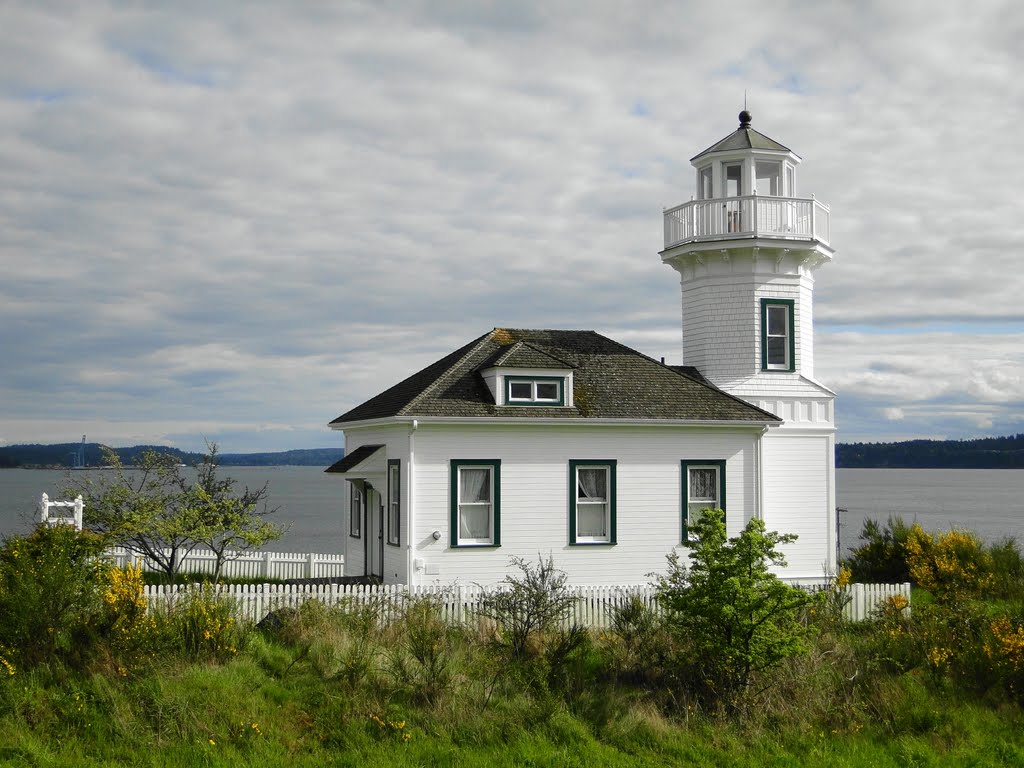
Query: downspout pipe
<point x="759" y="474"/>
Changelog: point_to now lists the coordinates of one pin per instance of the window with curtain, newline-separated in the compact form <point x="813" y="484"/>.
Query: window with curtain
<point x="592" y="504"/>
<point x="475" y="503"/>
<point x="703" y="488"/>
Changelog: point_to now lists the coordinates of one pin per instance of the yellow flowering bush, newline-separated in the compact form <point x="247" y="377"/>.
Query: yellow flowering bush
<point x="130" y="630"/>
<point x="953" y="566"/>
<point x="1005" y="650"/>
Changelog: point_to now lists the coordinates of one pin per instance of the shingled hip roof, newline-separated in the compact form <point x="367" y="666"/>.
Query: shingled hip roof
<point x="610" y="381"/>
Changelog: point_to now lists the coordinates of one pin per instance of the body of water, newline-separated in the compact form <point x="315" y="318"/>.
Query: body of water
<point x="309" y="502"/>
<point x="990" y="502"/>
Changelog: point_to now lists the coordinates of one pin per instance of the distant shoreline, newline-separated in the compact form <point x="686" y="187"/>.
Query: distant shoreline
<point x="982" y="453"/>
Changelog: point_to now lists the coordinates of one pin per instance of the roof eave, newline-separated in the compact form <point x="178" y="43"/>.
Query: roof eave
<point x="769" y="421"/>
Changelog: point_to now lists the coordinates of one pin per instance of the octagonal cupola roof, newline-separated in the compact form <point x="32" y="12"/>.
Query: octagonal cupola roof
<point x="745" y="138"/>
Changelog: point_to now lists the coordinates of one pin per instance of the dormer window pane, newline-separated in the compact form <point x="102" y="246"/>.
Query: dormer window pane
<point x="547" y="390"/>
<point x="768" y="178"/>
<point x="542" y="390"/>
<point x="790" y="181"/>
<point x="521" y="390"/>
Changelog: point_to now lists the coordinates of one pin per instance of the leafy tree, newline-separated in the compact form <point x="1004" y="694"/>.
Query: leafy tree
<point x="143" y="507"/>
<point x="230" y="522"/>
<point x="152" y="509"/>
<point x="733" y="617"/>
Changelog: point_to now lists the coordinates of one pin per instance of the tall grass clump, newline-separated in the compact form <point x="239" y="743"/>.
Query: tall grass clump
<point x="201" y="624"/>
<point x="422" y="655"/>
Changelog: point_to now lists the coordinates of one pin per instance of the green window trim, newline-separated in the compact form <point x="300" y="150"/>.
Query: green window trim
<point x="686" y="465"/>
<point x="574" y="465"/>
<point x="453" y="484"/>
<point x="790" y="305"/>
<point x="355" y="511"/>
<point x="534" y="380"/>
<point x="394" y="533"/>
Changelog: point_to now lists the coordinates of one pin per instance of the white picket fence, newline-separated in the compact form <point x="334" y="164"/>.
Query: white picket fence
<point x="458" y="604"/>
<point x="246" y="565"/>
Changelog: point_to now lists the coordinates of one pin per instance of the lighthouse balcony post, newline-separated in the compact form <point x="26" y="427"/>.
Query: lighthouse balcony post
<point x="750" y="216"/>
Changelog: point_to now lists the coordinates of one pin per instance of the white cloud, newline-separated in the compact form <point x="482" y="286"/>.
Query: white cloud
<point x="894" y="414"/>
<point x="234" y="217"/>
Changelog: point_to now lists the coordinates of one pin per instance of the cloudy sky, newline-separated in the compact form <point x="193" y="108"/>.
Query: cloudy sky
<point x="235" y="221"/>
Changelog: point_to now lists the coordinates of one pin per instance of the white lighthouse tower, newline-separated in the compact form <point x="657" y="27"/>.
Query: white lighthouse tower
<point x="746" y="249"/>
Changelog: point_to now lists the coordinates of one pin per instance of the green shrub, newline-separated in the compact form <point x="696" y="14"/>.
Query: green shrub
<point x="50" y="595"/>
<point x="1007" y="570"/>
<point x="882" y="557"/>
<point x="733" y="617"/>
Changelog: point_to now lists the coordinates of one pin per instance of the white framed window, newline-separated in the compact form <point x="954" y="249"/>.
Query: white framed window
<point x="703" y="489"/>
<point x="394" y="502"/>
<point x="768" y="179"/>
<point x="355" y="512"/>
<point x="536" y="390"/>
<point x="704" y="187"/>
<point x="733" y="174"/>
<point x="475" y="502"/>
<point x="790" y="181"/>
<point x="777" y="338"/>
<point x="592" y="501"/>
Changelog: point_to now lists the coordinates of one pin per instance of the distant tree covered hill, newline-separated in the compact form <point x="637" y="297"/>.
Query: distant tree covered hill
<point x="65" y="455"/>
<point x="982" y="453"/>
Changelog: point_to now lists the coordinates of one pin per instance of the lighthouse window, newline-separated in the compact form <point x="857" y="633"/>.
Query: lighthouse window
<point x="733" y="177"/>
<point x="777" y="341"/>
<point x="768" y="178"/>
<point x="704" y="184"/>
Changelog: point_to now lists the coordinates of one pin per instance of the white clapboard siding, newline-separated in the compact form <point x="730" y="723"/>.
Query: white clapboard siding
<point x="594" y="607"/>
<point x="247" y="565"/>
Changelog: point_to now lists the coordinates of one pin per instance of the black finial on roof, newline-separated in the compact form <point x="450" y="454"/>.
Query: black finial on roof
<point x="745" y="118"/>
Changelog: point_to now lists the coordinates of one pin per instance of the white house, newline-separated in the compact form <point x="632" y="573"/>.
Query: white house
<point x="561" y="442"/>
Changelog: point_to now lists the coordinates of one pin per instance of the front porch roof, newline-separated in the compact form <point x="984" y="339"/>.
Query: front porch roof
<point x="353" y="460"/>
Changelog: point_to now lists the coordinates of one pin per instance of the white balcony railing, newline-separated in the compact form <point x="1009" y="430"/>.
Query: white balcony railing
<point x="788" y="218"/>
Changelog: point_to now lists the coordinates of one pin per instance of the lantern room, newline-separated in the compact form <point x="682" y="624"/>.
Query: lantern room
<point x="746" y="188"/>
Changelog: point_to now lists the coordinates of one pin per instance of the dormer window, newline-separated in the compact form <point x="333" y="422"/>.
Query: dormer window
<point x="534" y="390"/>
